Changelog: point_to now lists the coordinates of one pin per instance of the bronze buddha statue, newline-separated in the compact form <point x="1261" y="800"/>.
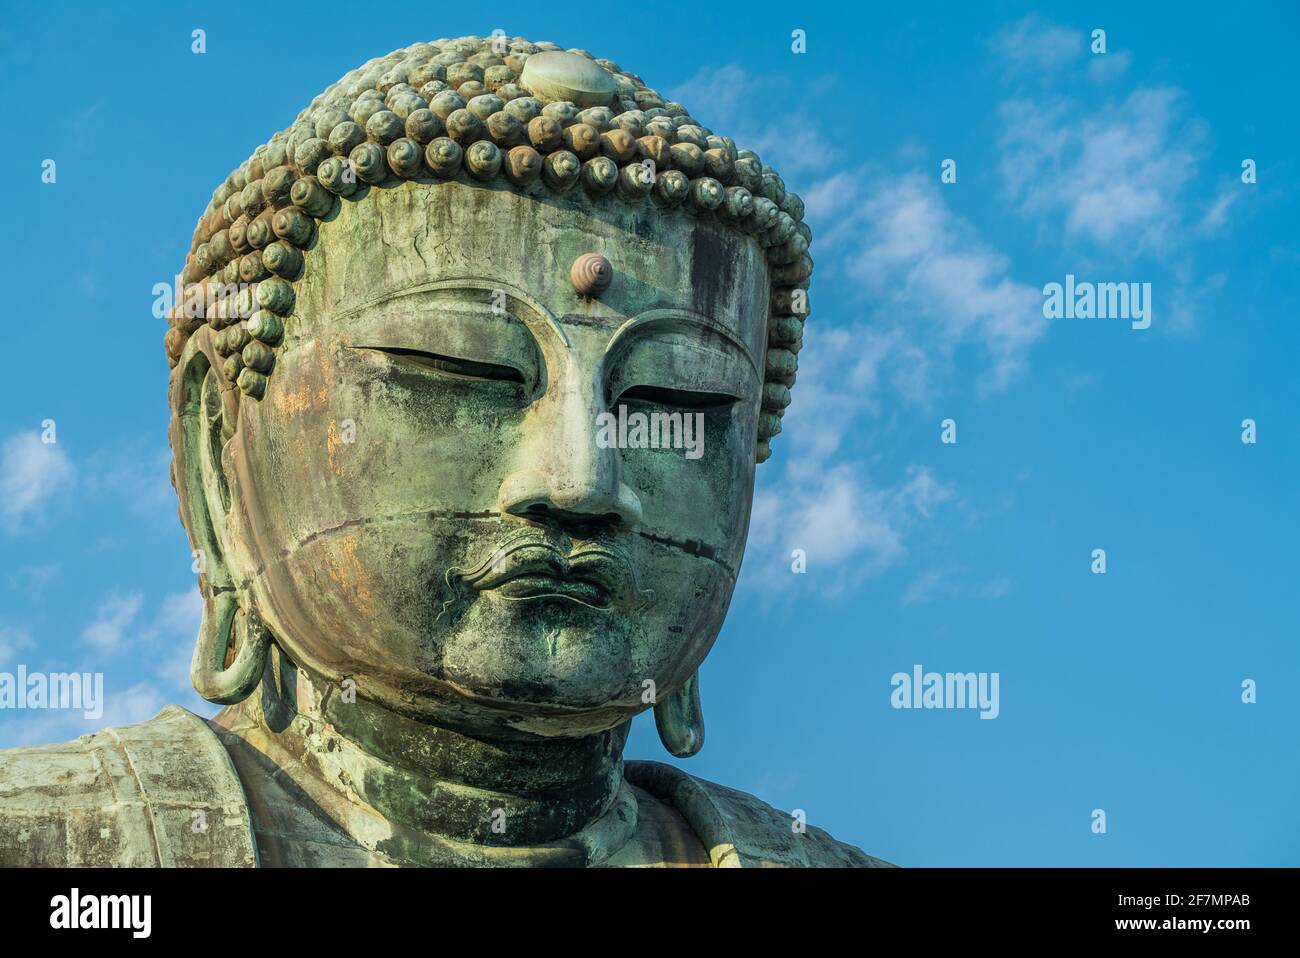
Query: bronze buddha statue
<point x="435" y="596"/>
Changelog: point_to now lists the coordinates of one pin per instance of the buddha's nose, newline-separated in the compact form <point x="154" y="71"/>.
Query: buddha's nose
<point x="563" y="476"/>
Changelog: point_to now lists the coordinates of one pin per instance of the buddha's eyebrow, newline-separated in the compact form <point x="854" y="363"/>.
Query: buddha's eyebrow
<point x="597" y="321"/>
<point x="669" y="320"/>
<point x="518" y="308"/>
<point x="507" y="292"/>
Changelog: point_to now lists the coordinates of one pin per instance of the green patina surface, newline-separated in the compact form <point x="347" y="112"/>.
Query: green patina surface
<point x="435" y="594"/>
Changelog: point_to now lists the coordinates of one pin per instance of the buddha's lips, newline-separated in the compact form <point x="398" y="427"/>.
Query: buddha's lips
<point x="595" y="576"/>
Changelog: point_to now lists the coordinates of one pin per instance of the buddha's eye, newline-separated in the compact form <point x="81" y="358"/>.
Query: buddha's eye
<point x="452" y="365"/>
<point x="678" y="398"/>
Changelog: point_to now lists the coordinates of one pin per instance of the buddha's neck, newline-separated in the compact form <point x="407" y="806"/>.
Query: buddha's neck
<point x="419" y="793"/>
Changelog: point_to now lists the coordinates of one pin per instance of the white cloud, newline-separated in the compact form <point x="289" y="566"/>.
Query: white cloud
<point x="31" y="472"/>
<point x="138" y="703"/>
<point x="1111" y="178"/>
<point x="173" y="627"/>
<point x="717" y="90"/>
<point x="32" y="579"/>
<point x="1113" y="173"/>
<point x="136" y="472"/>
<point x="12" y="641"/>
<point x="834" y="360"/>
<point x="46" y="727"/>
<point x="952" y="583"/>
<point x="1109" y="67"/>
<point x="848" y="528"/>
<point x="135" y="704"/>
<point x="1216" y="216"/>
<point x="934" y="285"/>
<point x="166" y="641"/>
<point x="924" y="587"/>
<point x="180" y="613"/>
<point x="112" y="619"/>
<point x="942" y="285"/>
<point x="825" y="199"/>
<point x="1033" y="45"/>
<point x="1188" y="299"/>
<point x="176" y="629"/>
<point x="825" y="203"/>
<point x="733" y="102"/>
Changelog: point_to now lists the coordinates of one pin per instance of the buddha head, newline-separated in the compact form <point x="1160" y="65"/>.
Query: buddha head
<point x="472" y="372"/>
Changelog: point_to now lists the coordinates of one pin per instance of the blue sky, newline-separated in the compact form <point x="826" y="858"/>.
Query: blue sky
<point x="1119" y="691"/>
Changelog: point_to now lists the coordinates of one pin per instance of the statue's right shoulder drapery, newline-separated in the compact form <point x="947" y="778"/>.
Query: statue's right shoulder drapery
<point x="161" y="793"/>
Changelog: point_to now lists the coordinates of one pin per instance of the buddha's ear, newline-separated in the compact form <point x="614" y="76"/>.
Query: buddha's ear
<point x="680" y="719"/>
<point x="204" y="410"/>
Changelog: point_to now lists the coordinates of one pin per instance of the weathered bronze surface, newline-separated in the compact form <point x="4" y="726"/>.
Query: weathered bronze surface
<point x="435" y="593"/>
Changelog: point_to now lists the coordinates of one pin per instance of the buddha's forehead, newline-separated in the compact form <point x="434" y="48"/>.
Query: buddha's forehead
<point x="422" y="236"/>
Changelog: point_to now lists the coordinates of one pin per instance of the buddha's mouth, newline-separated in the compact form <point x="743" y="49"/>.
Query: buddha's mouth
<point x="599" y="576"/>
<point x="530" y="586"/>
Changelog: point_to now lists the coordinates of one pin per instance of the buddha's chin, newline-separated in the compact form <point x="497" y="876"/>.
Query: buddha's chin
<point x="547" y="651"/>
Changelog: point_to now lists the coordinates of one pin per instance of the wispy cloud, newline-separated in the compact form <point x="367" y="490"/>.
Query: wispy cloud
<point x="1034" y="45"/>
<point x="119" y="625"/>
<point x="952" y="583"/>
<point x="33" y="579"/>
<point x="13" y="640"/>
<point x="848" y="527"/>
<point x="1113" y="176"/>
<point x="1035" y="51"/>
<point x="1190" y="298"/>
<point x="1109" y="67"/>
<point x="135" y="472"/>
<point x="941" y="285"/>
<point x="820" y="499"/>
<point x="31" y="473"/>
<point x="128" y="706"/>
<point x="1106" y="167"/>
<point x="739" y="104"/>
<point x="931" y="286"/>
<point x="115" y="615"/>
<point x="1216" y="214"/>
<point x="935" y="285"/>
<point x="135" y="704"/>
<point x="122" y="635"/>
<point x="174" y="632"/>
<point x="180" y="613"/>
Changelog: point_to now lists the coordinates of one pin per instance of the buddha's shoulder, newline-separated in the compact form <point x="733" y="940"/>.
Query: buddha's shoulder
<point x="161" y="793"/>
<point x="739" y="830"/>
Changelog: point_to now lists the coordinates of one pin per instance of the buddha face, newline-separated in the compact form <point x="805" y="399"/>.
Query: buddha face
<point x="431" y="499"/>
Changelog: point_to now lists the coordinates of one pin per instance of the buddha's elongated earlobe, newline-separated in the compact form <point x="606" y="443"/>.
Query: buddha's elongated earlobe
<point x="212" y="678"/>
<point x="202" y="425"/>
<point x="680" y="720"/>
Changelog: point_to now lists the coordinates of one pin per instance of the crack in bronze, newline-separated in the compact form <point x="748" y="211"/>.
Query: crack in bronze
<point x="692" y="547"/>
